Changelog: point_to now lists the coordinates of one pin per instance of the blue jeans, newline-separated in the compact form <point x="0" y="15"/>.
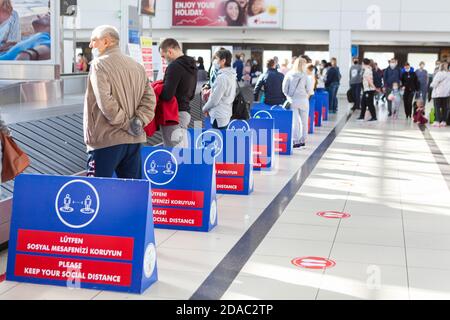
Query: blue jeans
<point x="123" y="160"/>
<point x="332" y="91"/>
<point x="422" y="93"/>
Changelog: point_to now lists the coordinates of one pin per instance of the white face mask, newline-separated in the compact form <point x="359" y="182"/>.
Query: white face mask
<point x="95" y="53"/>
<point x="216" y="65"/>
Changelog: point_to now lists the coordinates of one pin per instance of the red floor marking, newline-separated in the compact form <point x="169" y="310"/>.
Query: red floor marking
<point x="316" y="263"/>
<point x="334" y="215"/>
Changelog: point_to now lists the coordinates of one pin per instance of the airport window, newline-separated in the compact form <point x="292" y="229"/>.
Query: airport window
<point x="318" y="55"/>
<point x="382" y="58"/>
<point x="282" y="55"/>
<point x="204" y="53"/>
<point x="429" y="58"/>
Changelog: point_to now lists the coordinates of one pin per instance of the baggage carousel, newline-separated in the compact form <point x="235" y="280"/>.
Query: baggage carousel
<point x="55" y="146"/>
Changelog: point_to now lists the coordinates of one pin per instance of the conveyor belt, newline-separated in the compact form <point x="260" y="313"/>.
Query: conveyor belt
<point x="56" y="147"/>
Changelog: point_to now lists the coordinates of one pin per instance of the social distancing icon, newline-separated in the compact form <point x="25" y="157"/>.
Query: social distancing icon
<point x="77" y="204"/>
<point x="161" y="167"/>
<point x="67" y="202"/>
<point x="87" y="206"/>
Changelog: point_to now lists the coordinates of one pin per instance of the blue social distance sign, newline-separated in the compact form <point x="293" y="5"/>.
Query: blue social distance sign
<point x="183" y="189"/>
<point x="82" y="233"/>
<point x="263" y="131"/>
<point x="233" y="157"/>
<point x="283" y="124"/>
<point x="312" y="115"/>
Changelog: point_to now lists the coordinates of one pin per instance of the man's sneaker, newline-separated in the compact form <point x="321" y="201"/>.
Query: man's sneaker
<point x="443" y="124"/>
<point x="297" y="146"/>
<point x="390" y="114"/>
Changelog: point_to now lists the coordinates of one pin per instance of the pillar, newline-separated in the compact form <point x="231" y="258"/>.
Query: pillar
<point x="341" y="49"/>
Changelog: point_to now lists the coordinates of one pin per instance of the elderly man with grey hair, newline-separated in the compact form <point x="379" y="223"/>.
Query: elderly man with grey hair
<point x="119" y="103"/>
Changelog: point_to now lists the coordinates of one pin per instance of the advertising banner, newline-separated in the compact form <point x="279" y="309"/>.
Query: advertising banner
<point x="25" y="33"/>
<point x="181" y="200"/>
<point x="227" y="13"/>
<point x="82" y="233"/>
<point x="147" y="7"/>
<point x="233" y="155"/>
<point x="283" y="124"/>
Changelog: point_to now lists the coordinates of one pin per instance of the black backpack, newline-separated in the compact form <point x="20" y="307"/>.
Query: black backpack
<point x="350" y="97"/>
<point x="377" y="80"/>
<point x="241" y="107"/>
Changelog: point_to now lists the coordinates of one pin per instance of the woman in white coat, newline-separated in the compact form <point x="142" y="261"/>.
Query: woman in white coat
<point x="298" y="87"/>
<point x="441" y="94"/>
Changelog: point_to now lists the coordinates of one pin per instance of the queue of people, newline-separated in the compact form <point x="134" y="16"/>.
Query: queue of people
<point x="120" y="101"/>
<point x="401" y="85"/>
<point x="291" y="88"/>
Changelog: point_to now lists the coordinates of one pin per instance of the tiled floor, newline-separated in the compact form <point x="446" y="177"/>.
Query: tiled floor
<point x="186" y="259"/>
<point x="395" y="245"/>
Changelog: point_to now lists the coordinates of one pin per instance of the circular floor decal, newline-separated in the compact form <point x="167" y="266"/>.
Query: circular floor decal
<point x="315" y="263"/>
<point x="333" y="215"/>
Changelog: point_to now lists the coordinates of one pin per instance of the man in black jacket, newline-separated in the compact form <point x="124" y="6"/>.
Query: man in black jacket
<point x="272" y="81"/>
<point x="180" y="81"/>
<point x="410" y="84"/>
<point x="332" y="84"/>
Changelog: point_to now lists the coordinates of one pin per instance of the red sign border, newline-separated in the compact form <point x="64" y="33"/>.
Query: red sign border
<point x="295" y="263"/>
<point x="347" y="215"/>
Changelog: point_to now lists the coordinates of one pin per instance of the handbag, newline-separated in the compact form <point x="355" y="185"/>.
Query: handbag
<point x="241" y="107"/>
<point x="287" y="104"/>
<point x="350" y="97"/>
<point x="14" y="161"/>
<point x="432" y="116"/>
